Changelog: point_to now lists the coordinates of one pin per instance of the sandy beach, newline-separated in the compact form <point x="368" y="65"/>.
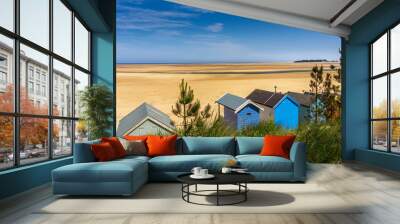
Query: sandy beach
<point x="158" y="84"/>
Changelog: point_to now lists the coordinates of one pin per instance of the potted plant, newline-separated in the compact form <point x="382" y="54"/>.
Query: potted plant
<point x="96" y="102"/>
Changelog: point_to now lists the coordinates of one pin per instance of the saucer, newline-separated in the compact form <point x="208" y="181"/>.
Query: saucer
<point x="208" y="176"/>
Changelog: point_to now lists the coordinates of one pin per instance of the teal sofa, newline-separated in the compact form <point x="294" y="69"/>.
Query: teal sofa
<point x="125" y="176"/>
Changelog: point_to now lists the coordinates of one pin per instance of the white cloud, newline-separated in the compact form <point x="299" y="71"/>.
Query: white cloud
<point x="216" y="27"/>
<point x="168" y="32"/>
<point x="134" y="18"/>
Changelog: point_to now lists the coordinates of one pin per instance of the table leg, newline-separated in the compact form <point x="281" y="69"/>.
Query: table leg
<point x="245" y="193"/>
<point x="195" y="188"/>
<point x="217" y="194"/>
<point x="188" y="190"/>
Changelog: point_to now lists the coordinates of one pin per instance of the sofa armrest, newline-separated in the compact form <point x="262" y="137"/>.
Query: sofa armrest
<point x="83" y="152"/>
<point x="298" y="156"/>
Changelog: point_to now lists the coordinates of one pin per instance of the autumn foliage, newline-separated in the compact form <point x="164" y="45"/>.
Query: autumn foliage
<point x="380" y="127"/>
<point x="33" y="131"/>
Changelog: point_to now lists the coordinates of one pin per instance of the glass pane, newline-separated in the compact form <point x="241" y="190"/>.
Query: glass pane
<point x="379" y="97"/>
<point x="395" y="136"/>
<point x="395" y="94"/>
<point x="379" y="135"/>
<point x="6" y="142"/>
<point x="81" y="82"/>
<point x="81" y="45"/>
<point x="379" y="55"/>
<point x="81" y="131"/>
<point x="62" y="138"/>
<point x="62" y="29"/>
<point x="35" y="21"/>
<point x="6" y="74"/>
<point x="33" y="139"/>
<point x="34" y="92"/>
<point x="395" y="47"/>
<point x="62" y="89"/>
<point x="7" y="14"/>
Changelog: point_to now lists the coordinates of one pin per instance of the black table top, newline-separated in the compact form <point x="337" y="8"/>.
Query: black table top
<point x="220" y="178"/>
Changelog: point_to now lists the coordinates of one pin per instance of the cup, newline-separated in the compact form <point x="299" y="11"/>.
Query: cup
<point x="226" y="170"/>
<point x="203" y="172"/>
<point x="196" y="171"/>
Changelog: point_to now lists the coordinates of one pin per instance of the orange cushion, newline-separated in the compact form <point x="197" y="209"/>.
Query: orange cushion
<point x="116" y="145"/>
<point x="103" y="152"/>
<point x="161" y="145"/>
<point x="277" y="145"/>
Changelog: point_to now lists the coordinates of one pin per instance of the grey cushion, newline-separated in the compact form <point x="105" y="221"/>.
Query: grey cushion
<point x="134" y="147"/>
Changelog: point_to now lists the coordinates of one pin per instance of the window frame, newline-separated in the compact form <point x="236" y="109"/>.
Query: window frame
<point x="388" y="74"/>
<point x="16" y="114"/>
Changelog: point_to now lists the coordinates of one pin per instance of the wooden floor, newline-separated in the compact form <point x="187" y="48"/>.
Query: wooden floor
<point x="379" y="189"/>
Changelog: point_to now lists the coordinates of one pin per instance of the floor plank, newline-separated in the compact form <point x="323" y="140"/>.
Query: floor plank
<point x="378" y="190"/>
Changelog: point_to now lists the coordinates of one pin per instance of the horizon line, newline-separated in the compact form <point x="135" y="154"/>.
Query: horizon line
<point x="189" y="63"/>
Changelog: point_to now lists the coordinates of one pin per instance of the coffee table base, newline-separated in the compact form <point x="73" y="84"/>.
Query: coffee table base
<point x="241" y="191"/>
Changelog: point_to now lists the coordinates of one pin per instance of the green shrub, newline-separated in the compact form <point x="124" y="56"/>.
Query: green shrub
<point x="323" y="141"/>
<point x="262" y="129"/>
<point x="214" y="128"/>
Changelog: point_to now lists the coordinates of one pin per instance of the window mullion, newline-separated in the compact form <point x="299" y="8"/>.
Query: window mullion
<point x="389" y="104"/>
<point x="16" y="85"/>
<point x="73" y="82"/>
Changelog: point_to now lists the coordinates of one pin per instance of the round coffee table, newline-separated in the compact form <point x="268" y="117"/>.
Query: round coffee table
<point x="238" y="179"/>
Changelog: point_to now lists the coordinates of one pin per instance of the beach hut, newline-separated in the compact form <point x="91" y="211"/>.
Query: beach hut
<point x="286" y="112"/>
<point x="239" y="112"/>
<point x="306" y="102"/>
<point x="144" y="120"/>
<point x="281" y="108"/>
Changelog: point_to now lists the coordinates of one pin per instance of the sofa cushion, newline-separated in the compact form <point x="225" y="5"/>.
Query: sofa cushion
<point x="103" y="152"/>
<point x="185" y="163"/>
<point x="208" y="145"/>
<point x="116" y="145"/>
<point x="257" y="163"/>
<point x="276" y="145"/>
<point x="133" y="158"/>
<point x="134" y="147"/>
<point x="112" y="171"/>
<point x="249" y="145"/>
<point x="161" y="145"/>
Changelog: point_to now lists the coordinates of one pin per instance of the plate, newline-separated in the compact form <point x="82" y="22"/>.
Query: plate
<point x="208" y="176"/>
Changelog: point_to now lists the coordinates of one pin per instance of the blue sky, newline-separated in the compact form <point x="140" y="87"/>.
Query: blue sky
<point x="155" y="31"/>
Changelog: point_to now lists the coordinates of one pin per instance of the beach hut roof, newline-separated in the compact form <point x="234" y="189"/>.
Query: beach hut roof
<point x="286" y="97"/>
<point x="139" y="115"/>
<point x="264" y="97"/>
<point x="235" y="103"/>
<point x="303" y="99"/>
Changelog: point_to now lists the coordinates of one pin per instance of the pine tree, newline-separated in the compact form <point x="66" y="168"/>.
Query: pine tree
<point x="316" y="85"/>
<point x="188" y="109"/>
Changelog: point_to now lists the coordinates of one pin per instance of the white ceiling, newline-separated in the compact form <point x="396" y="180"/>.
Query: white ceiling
<point x="316" y="15"/>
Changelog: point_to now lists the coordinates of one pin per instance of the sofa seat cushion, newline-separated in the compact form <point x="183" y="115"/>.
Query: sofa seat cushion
<point x="133" y="158"/>
<point x="112" y="171"/>
<point x="257" y="163"/>
<point x="185" y="163"/>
